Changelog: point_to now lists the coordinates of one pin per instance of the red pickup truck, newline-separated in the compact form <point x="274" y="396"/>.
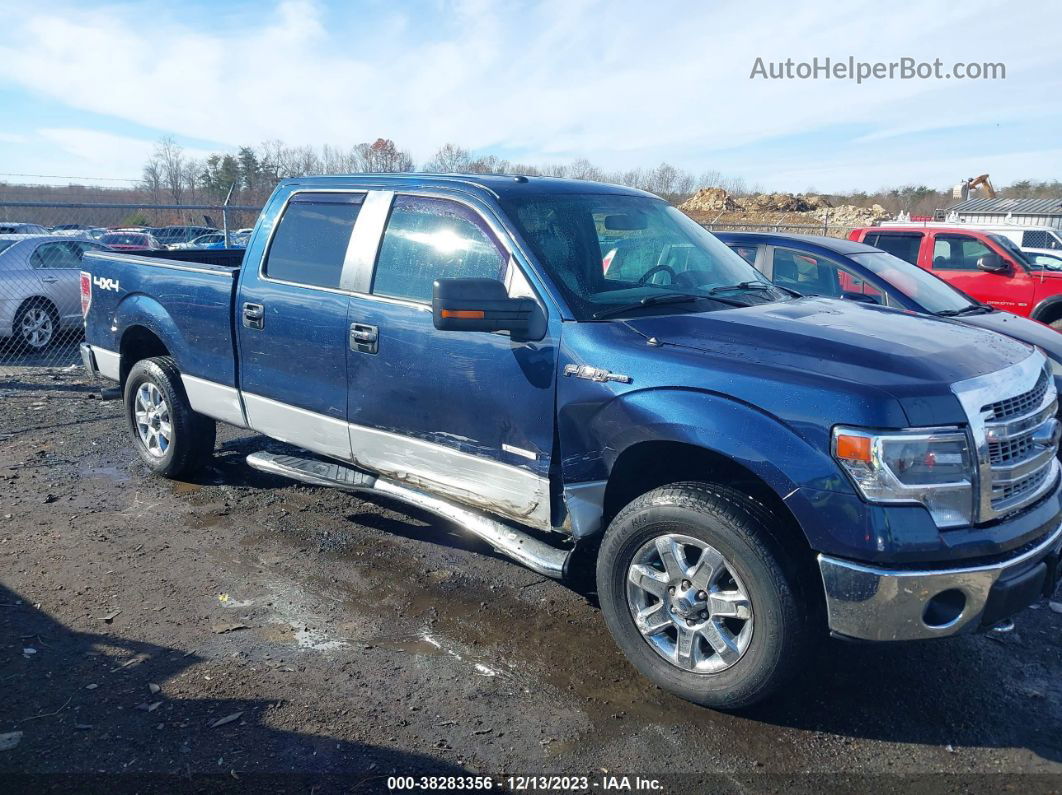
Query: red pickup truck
<point x="987" y="266"/>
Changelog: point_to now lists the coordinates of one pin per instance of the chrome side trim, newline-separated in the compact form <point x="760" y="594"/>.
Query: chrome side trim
<point x="108" y="363"/>
<point x="307" y="429"/>
<point x="521" y="547"/>
<point x="475" y="480"/>
<point x="214" y="400"/>
<point x="872" y="603"/>
<point x="470" y="479"/>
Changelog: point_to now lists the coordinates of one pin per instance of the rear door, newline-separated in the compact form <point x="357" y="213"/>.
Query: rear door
<point x="955" y="258"/>
<point x="465" y="414"/>
<point x="291" y="322"/>
<point x="58" y="267"/>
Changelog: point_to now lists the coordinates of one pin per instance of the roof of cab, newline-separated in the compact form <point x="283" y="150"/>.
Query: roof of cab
<point x="500" y="186"/>
<point x="838" y="245"/>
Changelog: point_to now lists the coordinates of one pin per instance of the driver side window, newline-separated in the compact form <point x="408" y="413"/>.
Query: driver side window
<point x="428" y="239"/>
<point x="811" y="274"/>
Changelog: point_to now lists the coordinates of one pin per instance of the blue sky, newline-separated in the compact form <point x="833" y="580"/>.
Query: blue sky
<point x="87" y="88"/>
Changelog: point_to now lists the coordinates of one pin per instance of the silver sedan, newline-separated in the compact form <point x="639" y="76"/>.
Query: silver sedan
<point x="40" y="293"/>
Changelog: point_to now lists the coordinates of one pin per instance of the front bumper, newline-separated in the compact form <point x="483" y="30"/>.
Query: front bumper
<point x="871" y="603"/>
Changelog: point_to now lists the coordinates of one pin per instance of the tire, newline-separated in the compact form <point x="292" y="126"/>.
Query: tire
<point x="36" y="325"/>
<point x="171" y="439"/>
<point x="755" y="576"/>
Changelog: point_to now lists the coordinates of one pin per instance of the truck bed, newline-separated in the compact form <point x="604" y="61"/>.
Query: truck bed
<point x="186" y="302"/>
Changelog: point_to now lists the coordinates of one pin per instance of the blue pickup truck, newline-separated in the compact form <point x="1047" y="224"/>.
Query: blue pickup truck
<point x="578" y="373"/>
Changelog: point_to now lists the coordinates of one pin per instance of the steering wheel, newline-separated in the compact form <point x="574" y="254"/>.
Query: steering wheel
<point x="655" y="270"/>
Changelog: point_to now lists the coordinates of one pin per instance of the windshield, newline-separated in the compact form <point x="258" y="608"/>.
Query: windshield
<point x="1012" y="249"/>
<point x="6" y="243"/>
<point x="933" y="294"/>
<point x="120" y="239"/>
<point x="608" y="252"/>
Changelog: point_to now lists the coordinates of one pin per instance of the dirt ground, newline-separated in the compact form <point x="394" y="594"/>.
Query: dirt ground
<point x="282" y="637"/>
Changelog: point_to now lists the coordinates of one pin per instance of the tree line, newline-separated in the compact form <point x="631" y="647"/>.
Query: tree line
<point x="172" y="177"/>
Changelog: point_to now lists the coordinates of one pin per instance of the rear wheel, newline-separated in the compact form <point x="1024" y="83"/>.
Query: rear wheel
<point x="36" y="325"/>
<point x="700" y="596"/>
<point x="172" y="440"/>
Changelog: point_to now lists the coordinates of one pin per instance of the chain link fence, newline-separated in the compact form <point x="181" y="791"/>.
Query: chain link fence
<point x="41" y="247"/>
<point x="826" y="229"/>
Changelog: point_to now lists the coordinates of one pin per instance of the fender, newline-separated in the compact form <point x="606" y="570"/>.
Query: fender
<point x="801" y="474"/>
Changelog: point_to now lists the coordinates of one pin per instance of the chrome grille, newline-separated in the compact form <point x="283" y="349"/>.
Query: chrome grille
<point x="1019" y="404"/>
<point x="1012" y="417"/>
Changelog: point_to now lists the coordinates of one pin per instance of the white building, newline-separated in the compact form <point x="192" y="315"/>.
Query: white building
<point x="1023" y="212"/>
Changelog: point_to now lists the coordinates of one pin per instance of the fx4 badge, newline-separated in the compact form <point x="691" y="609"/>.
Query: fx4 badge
<point x="105" y="284"/>
<point x="595" y="373"/>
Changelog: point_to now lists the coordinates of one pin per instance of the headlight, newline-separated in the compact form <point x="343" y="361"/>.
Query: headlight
<point x="931" y="467"/>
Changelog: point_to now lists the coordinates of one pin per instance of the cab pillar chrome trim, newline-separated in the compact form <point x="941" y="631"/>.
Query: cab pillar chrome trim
<point x="364" y="242"/>
<point x="871" y="603"/>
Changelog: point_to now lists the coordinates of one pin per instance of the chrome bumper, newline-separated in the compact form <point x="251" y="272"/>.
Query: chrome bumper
<point x="871" y="603"/>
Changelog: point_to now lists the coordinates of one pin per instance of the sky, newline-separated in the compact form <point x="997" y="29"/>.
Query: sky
<point x="88" y="88"/>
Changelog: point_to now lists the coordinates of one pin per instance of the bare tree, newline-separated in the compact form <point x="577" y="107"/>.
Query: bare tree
<point x="170" y="155"/>
<point x="450" y="159"/>
<point x="382" y="156"/>
<point x="151" y="181"/>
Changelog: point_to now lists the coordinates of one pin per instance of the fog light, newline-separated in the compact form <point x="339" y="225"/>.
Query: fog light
<point x="944" y="609"/>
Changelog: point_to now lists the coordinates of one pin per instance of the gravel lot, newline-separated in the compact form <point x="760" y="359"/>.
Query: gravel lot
<point x="358" y="639"/>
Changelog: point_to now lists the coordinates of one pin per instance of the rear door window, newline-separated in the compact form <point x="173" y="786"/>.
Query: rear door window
<point x="812" y="274"/>
<point x="310" y="243"/>
<point x="899" y="244"/>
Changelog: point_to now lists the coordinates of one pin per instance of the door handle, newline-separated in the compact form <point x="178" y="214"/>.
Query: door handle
<point x="49" y="279"/>
<point x="253" y="316"/>
<point x="364" y="338"/>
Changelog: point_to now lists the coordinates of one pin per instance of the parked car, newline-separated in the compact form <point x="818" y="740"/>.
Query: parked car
<point x="989" y="267"/>
<point x="837" y="268"/>
<point x="130" y="241"/>
<point x="1052" y="262"/>
<point x="1038" y="239"/>
<point x="214" y="240"/>
<point x="745" y="468"/>
<point x="39" y="287"/>
<point x="17" y="228"/>
<point x="173" y="235"/>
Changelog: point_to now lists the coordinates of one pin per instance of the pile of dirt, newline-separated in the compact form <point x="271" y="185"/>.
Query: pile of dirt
<point x="716" y="205"/>
<point x="709" y="200"/>
<point x="852" y="215"/>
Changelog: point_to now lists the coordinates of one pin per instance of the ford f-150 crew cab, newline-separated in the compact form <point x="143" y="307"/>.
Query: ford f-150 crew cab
<point x="577" y="373"/>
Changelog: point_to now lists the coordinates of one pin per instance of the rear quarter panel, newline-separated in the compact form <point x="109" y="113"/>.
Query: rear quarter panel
<point x="186" y="305"/>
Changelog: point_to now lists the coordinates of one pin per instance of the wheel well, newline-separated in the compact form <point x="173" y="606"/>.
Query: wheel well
<point x="138" y="343"/>
<point x="649" y="465"/>
<point x="39" y="299"/>
<point x="1048" y="313"/>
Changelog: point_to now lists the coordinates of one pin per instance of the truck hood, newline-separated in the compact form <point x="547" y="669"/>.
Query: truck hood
<point x="912" y="357"/>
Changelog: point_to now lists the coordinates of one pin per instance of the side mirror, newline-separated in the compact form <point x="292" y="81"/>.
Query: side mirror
<point x="993" y="263"/>
<point x="861" y="298"/>
<point x="479" y="305"/>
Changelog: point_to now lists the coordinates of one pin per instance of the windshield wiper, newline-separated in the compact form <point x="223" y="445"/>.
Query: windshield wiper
<point x="972" y="309"/>
<point x="750" y="285"/>
<point x="651" y="300"/>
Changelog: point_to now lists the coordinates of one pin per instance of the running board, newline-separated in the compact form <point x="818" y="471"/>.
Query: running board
<point x="520" y="546"/>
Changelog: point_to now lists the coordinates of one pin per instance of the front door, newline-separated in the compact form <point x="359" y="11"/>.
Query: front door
<point x="291" y="320"/>
<point x="955" y="259"/>
<point x="466" y="414"/>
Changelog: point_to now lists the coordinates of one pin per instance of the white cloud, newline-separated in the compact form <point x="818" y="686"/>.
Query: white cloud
<point x="103" y="153"/>
<point x="622" y="83"/>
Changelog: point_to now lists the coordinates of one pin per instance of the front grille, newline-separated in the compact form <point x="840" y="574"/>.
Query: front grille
<point x="1019" y="404"/>
<point x="1003" y="496"/>
<point x="1020" y="466"/>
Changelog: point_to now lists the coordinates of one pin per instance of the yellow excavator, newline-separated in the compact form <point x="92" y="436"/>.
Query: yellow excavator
<point x="968" y="186"/>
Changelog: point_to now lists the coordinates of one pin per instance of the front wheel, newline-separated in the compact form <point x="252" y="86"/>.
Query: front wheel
<point x="701" y="598"/>
<point x="171" y="439"/>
